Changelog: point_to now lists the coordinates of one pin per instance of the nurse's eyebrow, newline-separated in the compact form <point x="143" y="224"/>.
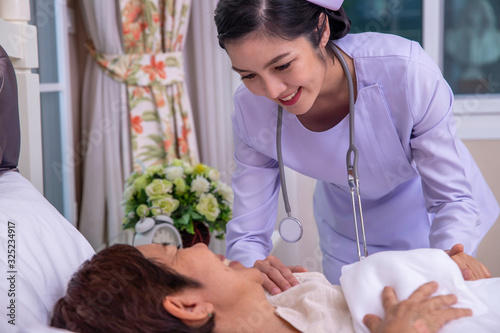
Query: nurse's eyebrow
<point x="273" y="61"/>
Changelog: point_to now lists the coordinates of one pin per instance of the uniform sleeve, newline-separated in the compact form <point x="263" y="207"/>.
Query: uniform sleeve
<point x="437" y="153"/>
<point x="256" y="190"/>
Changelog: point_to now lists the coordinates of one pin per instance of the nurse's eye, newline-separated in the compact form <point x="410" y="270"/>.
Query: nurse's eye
<point x="283" y="67"/>
<point x="248" y="77"/>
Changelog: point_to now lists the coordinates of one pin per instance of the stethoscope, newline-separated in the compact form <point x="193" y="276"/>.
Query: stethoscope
<point x="290" y="228"/>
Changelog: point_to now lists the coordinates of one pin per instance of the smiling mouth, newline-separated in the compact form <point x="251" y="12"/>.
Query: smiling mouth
<point x="292" y="98"/>
<point x="289" y="97"/>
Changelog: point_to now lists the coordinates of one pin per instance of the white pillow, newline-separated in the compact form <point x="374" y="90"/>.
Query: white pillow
<point x="405" y="271"/>
<point x="48" y="250"/>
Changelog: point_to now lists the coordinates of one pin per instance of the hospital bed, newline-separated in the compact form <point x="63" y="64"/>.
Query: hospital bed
<point x="49" y="249"/>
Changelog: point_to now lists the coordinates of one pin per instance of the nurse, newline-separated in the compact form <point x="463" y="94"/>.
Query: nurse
<point x="419" y="185"/>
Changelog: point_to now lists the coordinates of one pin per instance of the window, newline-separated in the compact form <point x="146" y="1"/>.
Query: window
<point x="462" y="36"/>
<point x="472" y="46"/>
<point x="50" y="18"/>
<point x="403" y="18"/>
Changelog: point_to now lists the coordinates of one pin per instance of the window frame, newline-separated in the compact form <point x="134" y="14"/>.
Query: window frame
<point x="65" y="172"/>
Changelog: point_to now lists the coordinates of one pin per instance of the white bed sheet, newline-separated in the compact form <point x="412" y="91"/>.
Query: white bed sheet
<point x="48" y="250"/>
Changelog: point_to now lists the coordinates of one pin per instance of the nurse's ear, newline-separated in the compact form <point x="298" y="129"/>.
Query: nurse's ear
<point x="325" y="24"/>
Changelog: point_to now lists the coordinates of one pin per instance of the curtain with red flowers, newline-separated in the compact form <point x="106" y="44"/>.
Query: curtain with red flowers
<point x="136" y="111"/>
<point x="152" y="67"/>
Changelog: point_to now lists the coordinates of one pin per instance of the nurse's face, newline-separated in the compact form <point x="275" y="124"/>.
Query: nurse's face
<point x="290" y="73"/>
<point x="201" y="264"/>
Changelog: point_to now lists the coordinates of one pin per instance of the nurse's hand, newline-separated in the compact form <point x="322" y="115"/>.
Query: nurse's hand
<point x="277" y="276"/>
<point x="418" y="314"/>
<point x="471" y="268"/>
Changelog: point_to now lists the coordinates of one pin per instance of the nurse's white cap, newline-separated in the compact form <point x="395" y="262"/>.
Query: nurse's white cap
<point x="328" y="4"/>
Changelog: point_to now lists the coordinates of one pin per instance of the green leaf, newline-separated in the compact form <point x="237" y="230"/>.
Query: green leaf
<point x="184" y="220"/>
<point x="150" y="116"/>
<point x="156" y="138"/>
<point x="149" y="10"/>
<point x="190" y="228"/>
<point x="184" y="10"/>
<point x="172" y="62"/>
<point x="196" y="216"/>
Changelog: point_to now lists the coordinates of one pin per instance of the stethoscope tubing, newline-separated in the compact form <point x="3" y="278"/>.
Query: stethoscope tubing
<point x="352" y="158"/>
<point x="295" y="230"/>
<point x="352" y="169"/>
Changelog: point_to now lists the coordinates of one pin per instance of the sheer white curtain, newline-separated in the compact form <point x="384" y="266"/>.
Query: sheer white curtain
<point x="105" y="130"/>
<point x="212" y="82"/>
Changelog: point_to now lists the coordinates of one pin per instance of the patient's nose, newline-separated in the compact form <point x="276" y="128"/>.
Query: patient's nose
<point x="200" y="245"/>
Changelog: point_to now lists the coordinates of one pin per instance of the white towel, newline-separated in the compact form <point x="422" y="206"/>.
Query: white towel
<point x="405" y="271"/>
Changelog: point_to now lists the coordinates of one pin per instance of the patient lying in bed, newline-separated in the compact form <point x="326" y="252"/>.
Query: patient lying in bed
<point x="124" y="290"/>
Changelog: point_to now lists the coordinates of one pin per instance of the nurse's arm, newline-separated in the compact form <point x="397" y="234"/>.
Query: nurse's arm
<point x="472" y="269"/>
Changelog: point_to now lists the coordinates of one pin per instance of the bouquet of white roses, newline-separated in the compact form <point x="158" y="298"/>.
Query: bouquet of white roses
<point x="185" y="193"/>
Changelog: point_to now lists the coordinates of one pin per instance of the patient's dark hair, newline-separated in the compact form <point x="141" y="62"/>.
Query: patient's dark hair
<point x="119" y="290"/>
<point x="288" y="19"/>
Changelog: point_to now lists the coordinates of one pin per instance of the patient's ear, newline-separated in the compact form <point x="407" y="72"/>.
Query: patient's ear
<point x="188" y="307"/>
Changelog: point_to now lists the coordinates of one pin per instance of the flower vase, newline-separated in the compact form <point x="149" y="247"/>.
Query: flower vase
<point x="201" y="235"/>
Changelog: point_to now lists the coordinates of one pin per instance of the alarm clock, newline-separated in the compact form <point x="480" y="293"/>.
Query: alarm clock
<point x="157" y="230"/>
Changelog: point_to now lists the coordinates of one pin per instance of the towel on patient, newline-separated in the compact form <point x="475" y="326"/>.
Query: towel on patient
<point x="317" y="306"/>
<point x="405" y="271"/>
<point x="314" y="306"/>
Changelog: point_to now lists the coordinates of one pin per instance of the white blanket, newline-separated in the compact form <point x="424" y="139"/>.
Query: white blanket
<point x="363" y="282"/>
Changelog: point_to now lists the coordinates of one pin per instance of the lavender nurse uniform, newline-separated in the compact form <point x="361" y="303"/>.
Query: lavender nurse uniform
<point x="419" y="185"/>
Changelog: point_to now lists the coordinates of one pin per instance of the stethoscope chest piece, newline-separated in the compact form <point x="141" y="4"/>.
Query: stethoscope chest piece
<point x="290" y="229"/>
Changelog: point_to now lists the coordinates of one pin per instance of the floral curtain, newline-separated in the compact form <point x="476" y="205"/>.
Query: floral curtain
<point x="105" y="131"/>
<point x="152" y="68"/>
<point x="136" y="111"/>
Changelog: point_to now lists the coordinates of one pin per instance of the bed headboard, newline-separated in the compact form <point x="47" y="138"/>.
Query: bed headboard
<point x="19" y="39"/>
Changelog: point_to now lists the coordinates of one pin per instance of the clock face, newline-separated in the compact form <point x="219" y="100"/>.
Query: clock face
<point x="165" y="235"/>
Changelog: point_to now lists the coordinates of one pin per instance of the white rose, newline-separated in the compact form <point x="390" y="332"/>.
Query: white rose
<point x="208" y="207"/>
<point x="200" y="185"/>
<point x="158" y="187"/>
<point x="167" y="203"/>
<point x="213" y="175"/>
<point x="174" y="172"/>
<point x="226" y="192"/>
<point x="188" y="168"/>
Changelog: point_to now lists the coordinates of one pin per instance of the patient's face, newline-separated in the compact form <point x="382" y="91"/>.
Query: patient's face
<point x="201" y="264"/>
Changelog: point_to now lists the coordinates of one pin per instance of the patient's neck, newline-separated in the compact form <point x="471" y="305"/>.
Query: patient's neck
<point x="252" y="315"/>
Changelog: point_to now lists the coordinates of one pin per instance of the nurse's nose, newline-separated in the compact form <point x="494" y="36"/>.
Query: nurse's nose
<point x="273" y="87"/>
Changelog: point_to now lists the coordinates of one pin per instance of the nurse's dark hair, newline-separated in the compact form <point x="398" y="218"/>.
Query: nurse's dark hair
<point x="288" y="19"/>
<point x="119" y="290"/>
